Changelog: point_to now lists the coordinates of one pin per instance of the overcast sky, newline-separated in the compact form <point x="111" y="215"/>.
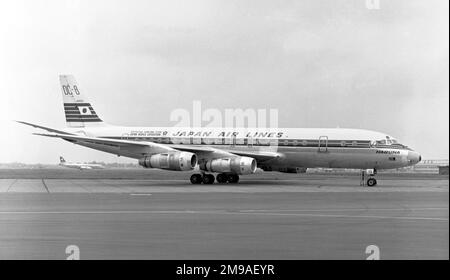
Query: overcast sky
<point x="320" y="63"/>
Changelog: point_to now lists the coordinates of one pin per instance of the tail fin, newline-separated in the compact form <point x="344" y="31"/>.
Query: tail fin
<point x="78" y="111"/>
<point x="61" y="159"/>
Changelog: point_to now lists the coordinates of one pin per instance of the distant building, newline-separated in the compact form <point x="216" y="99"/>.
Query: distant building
<point x="443" y="170"/>
<point x="428" y="166"/>
<point x="431" y="166"/>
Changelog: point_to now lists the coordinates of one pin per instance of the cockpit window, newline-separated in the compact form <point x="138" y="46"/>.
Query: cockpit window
<point x="388" y="142"/>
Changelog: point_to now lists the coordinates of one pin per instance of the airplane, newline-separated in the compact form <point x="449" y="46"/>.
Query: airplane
<point x="228" y="152"/>
<point x="81" y="166"/>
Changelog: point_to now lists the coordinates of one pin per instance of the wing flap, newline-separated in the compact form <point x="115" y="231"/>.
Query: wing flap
<point x="258" y="155"/>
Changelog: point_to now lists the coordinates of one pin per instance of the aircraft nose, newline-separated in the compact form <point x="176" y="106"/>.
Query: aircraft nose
<point x="414" y="157"/>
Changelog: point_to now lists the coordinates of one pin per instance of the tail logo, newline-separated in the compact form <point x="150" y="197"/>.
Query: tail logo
<point x="80" y="112"/>
<point x="84" y="110"/>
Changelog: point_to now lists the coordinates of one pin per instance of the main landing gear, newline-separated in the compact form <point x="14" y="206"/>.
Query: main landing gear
<point x="222" y="178"/>
<point x="368" y="174"/>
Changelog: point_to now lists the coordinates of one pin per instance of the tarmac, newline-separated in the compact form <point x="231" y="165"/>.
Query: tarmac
<point x="297" y="216"/>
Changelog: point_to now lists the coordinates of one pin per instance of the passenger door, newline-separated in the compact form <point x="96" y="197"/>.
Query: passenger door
<point x="323" y="144"/>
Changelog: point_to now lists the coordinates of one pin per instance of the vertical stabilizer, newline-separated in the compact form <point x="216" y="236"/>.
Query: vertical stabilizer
<point x="77" y="109"/>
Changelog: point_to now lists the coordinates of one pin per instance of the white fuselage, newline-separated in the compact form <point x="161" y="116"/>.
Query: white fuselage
<point x="297" y="147"/>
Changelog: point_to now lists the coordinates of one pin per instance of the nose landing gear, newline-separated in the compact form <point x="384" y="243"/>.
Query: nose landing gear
<point x="368" y="174"/>
<point x="371" y="182"/>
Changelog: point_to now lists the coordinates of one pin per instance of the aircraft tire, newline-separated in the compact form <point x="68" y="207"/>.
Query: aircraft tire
<point x="208" y="179"/>
<point x="221" y="178"/>
<point x="196" y="179"/>
<point x="233" y="178"/>
<point x="371" y="182"/>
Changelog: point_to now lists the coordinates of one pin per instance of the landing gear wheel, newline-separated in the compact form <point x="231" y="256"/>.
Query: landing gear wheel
<point x="208" y="179"/>
<point x="232" y="178"/>
<point x="221" y="178"/>
<point x="196" y="179"/>
<point x="371" y="182"/>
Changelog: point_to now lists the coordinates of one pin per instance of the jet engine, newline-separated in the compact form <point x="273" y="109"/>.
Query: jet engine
<point x="179" y="161"/>
<point x="237" y="165"/>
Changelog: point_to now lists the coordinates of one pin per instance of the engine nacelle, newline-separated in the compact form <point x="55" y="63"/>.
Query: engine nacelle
<point x="179" y="161"/>
<point x="237" y="165"/>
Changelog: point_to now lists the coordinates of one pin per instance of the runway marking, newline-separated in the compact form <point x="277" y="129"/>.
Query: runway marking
<point x="15" y="181"/>
<point x="45" y="186"/>
<point x="348" y="216"/>
<point x="242" y="212"/>
<point x="140" y="194"/>
<point x="350" y="209"/>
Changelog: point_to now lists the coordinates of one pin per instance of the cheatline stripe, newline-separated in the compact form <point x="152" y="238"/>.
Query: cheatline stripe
<point x="167" y="140"/>
<point x="211" y="141"/>
<point x="217" y="141"/>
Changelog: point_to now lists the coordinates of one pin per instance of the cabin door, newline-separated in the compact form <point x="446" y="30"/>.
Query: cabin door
<point x="323" y="144"/>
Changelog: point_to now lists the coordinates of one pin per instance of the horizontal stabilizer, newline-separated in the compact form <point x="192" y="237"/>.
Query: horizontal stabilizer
<point x="45" y="128"/>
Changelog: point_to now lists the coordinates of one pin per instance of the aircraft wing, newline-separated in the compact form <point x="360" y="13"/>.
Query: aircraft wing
<point x="138" y="149"/>
<point x="134" y="149"/>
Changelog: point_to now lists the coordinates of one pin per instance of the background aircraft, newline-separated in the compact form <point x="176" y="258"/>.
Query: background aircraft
<point x="81" y="166"/>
